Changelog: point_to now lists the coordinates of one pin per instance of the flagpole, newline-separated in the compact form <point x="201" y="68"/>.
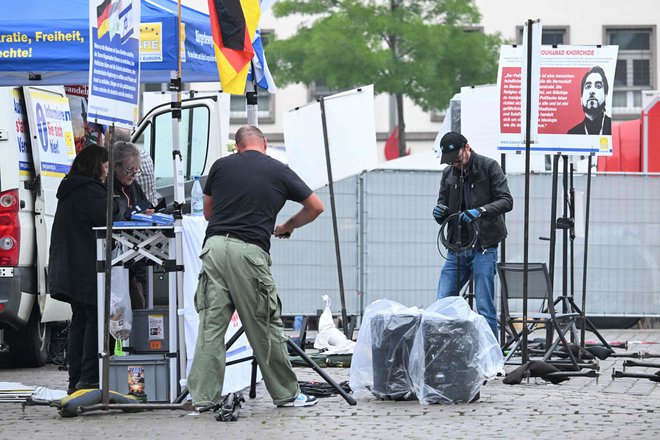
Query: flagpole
<point x="176" y="323"/>
<point x="251" y="98"/>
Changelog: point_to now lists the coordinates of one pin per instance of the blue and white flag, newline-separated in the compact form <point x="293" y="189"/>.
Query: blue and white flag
<point x="262" y="75"/>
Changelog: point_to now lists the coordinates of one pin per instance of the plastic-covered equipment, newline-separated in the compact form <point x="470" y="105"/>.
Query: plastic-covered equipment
<point x="392" y="337"/>
<point x="454" y="352"/>
<point x="387" y="352"/>
<point x="439" y="355"/>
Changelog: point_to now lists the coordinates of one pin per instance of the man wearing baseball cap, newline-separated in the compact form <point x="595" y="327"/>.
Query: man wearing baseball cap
<point x="475" y="189"/>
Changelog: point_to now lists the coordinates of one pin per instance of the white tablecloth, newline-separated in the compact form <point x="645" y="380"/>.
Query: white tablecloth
<point x="237" y="376"/>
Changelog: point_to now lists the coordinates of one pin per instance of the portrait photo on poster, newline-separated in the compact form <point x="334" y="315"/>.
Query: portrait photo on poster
<point x="594" y="91"/>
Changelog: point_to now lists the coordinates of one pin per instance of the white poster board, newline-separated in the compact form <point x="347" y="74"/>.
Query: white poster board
<point x="114" y="71"/>
<point x="561" y="112"/>
<point x="351" y="129"/>
<point x="53" y="152"/>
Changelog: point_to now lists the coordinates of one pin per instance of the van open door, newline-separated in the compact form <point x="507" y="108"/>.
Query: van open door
<point x="203" y="135"/>
<point x="53" y="151"/>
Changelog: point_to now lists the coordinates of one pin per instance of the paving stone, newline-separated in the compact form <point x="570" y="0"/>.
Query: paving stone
<point x="580" y="408"/>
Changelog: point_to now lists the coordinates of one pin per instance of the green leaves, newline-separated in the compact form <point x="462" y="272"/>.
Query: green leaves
<point x="424" y="49"/>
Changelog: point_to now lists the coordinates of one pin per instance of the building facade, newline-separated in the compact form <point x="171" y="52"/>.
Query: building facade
<point x="633" y="28"/>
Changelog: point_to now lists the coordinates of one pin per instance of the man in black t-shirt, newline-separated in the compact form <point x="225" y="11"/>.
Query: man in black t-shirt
<point x="244" y="193"/>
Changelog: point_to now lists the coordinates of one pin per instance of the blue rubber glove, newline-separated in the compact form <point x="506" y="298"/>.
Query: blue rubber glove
<point x="469" y="215"/>
<point x="439" y="212"/>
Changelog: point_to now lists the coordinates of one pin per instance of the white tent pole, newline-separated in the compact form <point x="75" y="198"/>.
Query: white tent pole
<point x="176" y="298"/>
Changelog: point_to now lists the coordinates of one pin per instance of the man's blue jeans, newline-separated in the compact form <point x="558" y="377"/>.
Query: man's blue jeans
<point x="482" y="266"/>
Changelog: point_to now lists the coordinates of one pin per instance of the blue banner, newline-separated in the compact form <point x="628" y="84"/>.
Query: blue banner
<point x="46" y="39"/>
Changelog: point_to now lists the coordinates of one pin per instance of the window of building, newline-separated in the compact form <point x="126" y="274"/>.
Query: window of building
<point x="265" y="110"/>
<point x="634" y="67"/>
<point x="265" y="101"/>
<point x="320" y="90"/>
<point x="550" y="35"/>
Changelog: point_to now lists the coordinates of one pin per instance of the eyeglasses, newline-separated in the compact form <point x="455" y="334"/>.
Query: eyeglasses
<point x="130" y="172"/>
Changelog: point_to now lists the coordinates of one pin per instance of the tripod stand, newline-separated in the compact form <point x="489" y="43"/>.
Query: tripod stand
<point x="253" y="381"/>
<point x="567" y="224"/>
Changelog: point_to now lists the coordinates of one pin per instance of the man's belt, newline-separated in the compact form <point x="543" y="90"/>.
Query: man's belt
<point x="229" y="235"/>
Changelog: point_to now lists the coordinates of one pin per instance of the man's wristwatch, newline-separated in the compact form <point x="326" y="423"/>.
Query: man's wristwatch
<point x="482" y="210"/>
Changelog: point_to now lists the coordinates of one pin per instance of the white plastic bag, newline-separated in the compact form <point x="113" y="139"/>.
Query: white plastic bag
<point x="121" y="315"/>
<point x="330" y="338"/>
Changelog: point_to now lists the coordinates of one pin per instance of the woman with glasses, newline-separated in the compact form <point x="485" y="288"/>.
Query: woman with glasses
<point x="127" y="168"/>
<point x="131" y="198"/>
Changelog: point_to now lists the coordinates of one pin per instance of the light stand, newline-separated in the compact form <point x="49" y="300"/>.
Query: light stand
<point x="333" y="209"/>
<point x="568" y="224"/>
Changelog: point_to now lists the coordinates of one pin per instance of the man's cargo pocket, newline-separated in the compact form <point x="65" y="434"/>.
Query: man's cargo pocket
<point x="266" y="300"/>
<point x="200" y="293"/>
<point x="257" y="260"/>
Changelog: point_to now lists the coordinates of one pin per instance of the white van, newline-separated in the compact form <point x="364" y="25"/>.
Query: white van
<point x="28" y="203"/>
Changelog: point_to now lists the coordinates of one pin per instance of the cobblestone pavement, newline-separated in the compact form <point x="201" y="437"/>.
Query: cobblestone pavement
<point x="581" y="408"/>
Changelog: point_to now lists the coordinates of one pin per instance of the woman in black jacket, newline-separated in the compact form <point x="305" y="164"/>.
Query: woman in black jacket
<point x="72" y="265"/>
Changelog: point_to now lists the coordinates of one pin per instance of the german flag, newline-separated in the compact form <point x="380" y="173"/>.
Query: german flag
<point x="234" y="23"/>
<point x="102" y="17"/>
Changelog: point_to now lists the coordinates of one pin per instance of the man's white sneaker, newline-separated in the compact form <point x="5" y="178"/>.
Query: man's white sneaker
<point x="302" y="400"/>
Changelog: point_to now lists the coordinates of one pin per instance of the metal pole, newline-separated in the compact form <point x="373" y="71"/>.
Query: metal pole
<point x="361" y="239"/>
<point x="105" y="354"/>
<point x="502" y="259"/>
<point x="553" y="218"/>
<point x="340" y="276"/>
<point x="571" y="210"/>
<point x="252" y="100"/>
<point x="586" y="251"/>
<point x="564" y="245"/>
<point x="179" y="200"/>
<point x="528" y="134"/>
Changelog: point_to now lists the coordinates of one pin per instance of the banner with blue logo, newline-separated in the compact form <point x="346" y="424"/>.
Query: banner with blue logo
<point x="51" y="130"/>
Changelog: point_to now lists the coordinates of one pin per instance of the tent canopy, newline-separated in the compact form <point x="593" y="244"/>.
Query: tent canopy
<point x="43" y="42"/>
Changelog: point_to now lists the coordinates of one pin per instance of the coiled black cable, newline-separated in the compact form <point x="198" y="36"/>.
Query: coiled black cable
<point x="444" y="240"/>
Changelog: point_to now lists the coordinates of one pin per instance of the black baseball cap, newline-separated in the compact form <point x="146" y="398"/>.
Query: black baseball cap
<point x="450" y="144"/>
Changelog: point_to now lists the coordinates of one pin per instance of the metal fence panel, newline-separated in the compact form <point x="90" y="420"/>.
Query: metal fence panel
<point x="305" y="266"/>
<point x="389" y="250"/>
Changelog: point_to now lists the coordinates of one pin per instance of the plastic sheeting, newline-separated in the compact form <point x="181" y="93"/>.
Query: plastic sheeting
<point x="438" y="355"/>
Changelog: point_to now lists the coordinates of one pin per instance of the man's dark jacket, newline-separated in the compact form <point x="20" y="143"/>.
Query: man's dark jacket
<point x="81" y="206"/>
<point x="488" y="190"/>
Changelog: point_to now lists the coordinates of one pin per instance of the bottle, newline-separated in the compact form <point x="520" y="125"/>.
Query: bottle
<point x="197" y="198"/>
<point x="297" y="323"/>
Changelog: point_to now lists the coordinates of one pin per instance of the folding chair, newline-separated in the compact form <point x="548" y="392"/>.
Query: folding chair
<point x="539" y="290"/>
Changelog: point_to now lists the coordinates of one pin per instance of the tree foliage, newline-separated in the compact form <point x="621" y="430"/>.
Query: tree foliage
<point x="423" y="49"/>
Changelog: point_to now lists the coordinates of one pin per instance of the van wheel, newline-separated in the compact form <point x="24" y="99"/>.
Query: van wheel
<point x="29" y="345"/>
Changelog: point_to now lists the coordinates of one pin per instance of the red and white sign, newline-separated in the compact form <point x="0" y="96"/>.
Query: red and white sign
<point x="575" y="100"/>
